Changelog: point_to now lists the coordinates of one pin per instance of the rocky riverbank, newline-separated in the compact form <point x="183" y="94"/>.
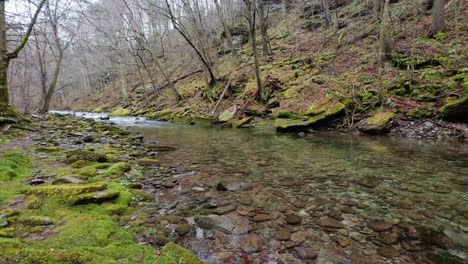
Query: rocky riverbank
<point x="71" y="192"/>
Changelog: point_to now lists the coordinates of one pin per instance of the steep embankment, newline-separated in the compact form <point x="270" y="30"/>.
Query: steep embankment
<point x="331" y="77"/>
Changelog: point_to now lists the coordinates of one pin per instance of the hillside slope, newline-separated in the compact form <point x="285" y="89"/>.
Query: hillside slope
<point x="330" y="77"/>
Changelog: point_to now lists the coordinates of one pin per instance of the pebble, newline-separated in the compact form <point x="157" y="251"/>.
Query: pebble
<point x="379" y="226"/>
<point x="261" y="218"/>
<point x="343" y="241"/>
<point x="329" y="222"/>
<point x="293" y="219"/>
<point x="388" y="252"/>
<point x="245" y="200"/>
<point x="283" y="234"/>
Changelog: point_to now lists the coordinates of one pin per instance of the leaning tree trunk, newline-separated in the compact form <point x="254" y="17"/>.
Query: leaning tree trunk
<point x="438" y="17"/>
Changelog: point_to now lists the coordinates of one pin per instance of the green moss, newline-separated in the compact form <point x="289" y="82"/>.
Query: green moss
<point x="67" y="190"/>
<point x="32" y="202"/>
<point x="14" y="165"/>
<point x="86" y="155"/>
<point x="456" y="109"/>
<point x="120" y="112"/>
<point x="142" y="195"/>
<point x="88" y="171"/>
<point x="117" y="169"/>
<point x="79" y="164"/>
<point x="35" y="220"/>
<point x="173" y="253"/>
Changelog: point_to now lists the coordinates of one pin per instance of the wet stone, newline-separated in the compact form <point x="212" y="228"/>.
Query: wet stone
<point x="261" y="218"/>
<point x="293" y="219"/>
<point x="343" y="241"/>
<point x="251" y="244"/>
<point x="245" y="200"/>
<point x="388" y="252"/>
<point x="330" y="222"/>
<point x="379" y="226"/>
<point x="283" y="234"/>
<point x="306" y="253"/>
<point x="299" y="204"/>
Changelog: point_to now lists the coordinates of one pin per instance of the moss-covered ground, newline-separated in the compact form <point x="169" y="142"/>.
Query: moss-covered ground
<point x="98" y="219"/>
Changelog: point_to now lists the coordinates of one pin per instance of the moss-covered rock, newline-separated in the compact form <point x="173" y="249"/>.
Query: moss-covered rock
<point x="94" y="197"/>
<point x="117" y="169"/>
<point x="32" y="202"/>
<point x="377" y="124"/>
<point x="85" y="155"/>
<point x="184" y="229"/>
<point x="35" y="220"/>
<point x="316" y="115"/>
<point x="455" y="110"/>
<point x="120" y="112"/>
<point x="67" y="190"/>
<point x="147" y="162"/>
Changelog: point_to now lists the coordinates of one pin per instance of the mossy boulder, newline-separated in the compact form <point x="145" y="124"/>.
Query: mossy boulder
<point x="379" y="123"/>
<point x="94" y="197"/>
<point x="179" y="254"/>
<point x="66" y="190"/>
<point x="32" y="202"/>
<point x="85" y="155"/>
<point x="147" y="162"/>
<point x="67" y="180"/>
<point x="184" y="229"/>
<point x="35" y="220"/>
<point x="117" y="169"/>
<point x="455" y="110"/>
<point x="243" y="122"/>
<point x="316" y="115"/>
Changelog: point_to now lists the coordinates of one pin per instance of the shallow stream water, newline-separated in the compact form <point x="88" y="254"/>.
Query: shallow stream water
<point x="353" y="179"/>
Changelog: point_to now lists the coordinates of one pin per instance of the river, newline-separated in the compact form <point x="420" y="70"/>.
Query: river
<point x="360" y="182"/>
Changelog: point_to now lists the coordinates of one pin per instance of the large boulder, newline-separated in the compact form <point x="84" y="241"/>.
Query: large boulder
<point x="380" y="123"/>
<point x="455" y="110"/>
<point x="316" y="115"/>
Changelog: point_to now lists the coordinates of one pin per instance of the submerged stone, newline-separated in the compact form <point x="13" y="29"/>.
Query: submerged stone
<point x="330" y="222"/>
<point x="223" y="224"/>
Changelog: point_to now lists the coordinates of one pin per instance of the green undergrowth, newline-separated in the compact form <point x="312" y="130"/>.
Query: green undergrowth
<point x="15" y="165"/>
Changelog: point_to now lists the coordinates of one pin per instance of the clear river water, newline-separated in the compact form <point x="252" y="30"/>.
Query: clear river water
<point x="321" y="178"/>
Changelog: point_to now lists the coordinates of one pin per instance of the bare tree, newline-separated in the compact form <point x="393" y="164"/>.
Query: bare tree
<point x="7" y="113"/>
<point x="251" y="19"/>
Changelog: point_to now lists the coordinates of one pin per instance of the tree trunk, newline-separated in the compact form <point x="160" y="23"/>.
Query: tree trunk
<point x="123" y="79"/>
<point x="53" y="85"/>
<point x="386" y="46"/>
<point x="251" y="18"/>
<point x="4" y="61"/>
<point x="226" y="28"/>
<point x="264" y="30"/>
<point x="376" y="8"/>
<point x="326" y="13"/>
<point x="438" y="17"/>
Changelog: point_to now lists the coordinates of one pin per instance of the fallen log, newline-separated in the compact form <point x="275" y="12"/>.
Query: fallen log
<point x="221" y="97"/>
